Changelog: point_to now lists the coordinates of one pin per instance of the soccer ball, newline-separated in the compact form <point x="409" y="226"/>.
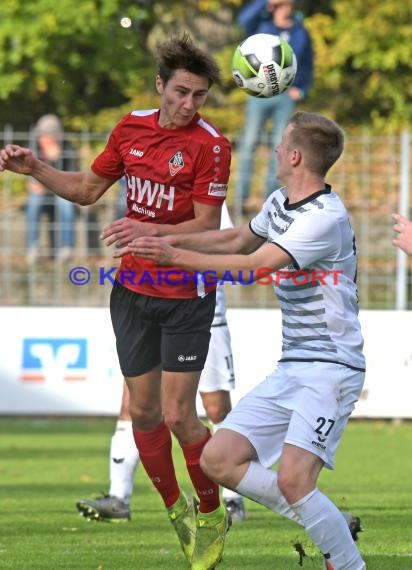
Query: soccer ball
<point x="264" y="65"/>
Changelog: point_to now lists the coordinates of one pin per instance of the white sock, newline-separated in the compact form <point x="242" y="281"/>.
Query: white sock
<point x="328" y="529"/>
<point x="227" y="494"/>
<point x="261" y="485"/>
<point x="124" y="459"/>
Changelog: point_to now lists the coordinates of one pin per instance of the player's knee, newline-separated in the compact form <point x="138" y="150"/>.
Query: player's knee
<point x="175" y="418"/>
<point x="216" y="414"/>
<point x="212" y="462"/>
<point x="292" y="487"/>
<point x="145" y="419"/>
<point x="208" y="465"/>
<point x="175" y="425"/>
<point x="283" y="484"/>
<point x="217" y="405"/>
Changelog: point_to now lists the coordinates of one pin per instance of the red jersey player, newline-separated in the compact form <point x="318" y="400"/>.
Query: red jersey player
<point x="170" y="175"/>
<point x="177" y="169"/>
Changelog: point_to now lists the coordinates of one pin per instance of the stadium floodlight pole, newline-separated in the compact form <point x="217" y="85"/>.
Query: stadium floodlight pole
<point x="403" y="209"/>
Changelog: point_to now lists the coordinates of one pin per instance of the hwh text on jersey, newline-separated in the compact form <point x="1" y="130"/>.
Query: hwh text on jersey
<point x="151" y="194"/>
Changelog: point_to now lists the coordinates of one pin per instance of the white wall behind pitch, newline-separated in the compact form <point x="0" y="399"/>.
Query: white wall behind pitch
<point x="62" y="361"/>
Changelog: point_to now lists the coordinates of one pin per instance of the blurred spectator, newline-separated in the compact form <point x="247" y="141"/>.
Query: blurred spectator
<point x="271" y="17"/>
<point x="51" y="147"/>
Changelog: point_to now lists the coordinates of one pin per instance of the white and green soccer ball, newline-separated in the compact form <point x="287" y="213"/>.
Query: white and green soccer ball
<point x="264" y="65"/>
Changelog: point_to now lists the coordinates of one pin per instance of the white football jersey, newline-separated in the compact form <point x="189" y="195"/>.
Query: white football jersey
<point x="317" y="294"/>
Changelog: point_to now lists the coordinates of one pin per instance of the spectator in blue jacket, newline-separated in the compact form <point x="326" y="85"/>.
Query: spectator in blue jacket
<point x="271" y="17"/>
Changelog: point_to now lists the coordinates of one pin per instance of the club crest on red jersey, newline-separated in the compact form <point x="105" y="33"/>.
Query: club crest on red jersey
<point x="176" y="163"/>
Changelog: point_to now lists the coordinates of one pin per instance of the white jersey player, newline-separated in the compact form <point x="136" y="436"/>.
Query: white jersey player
<point x="295" y="418"/>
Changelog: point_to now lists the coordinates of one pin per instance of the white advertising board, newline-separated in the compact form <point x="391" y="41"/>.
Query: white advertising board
<point x="62" y="361"/>
<point x="58" y="361"/>
<point x="387" y="392"/>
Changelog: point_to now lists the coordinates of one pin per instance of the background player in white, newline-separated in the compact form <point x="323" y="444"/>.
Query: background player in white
<point x="295" y="418"/>
<point x="216" y="382"/>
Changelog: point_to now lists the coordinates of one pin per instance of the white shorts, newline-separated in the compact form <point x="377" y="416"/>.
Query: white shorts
<point x="218" y="373"/>
<point x="306" y="404"/>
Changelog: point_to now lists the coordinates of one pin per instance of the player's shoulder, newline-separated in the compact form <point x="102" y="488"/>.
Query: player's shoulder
<point x="143" y="119"/>
<point x="137" y="116"/>
<point x="276" y="199"/>
<point x="326" y="212"/>
<point x="142" y="113"/>
<point x="332" y="202"/>
<point x="209" y="132"/>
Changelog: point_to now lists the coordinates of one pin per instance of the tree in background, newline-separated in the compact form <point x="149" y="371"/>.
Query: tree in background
<point x="91" y="61"/>
<point x="71" y="58"/>
<point x="364" y="62"/>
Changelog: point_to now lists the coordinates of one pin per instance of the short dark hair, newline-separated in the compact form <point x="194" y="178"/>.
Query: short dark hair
<point x="181" y="53"/>
<point x="320" y="139"/>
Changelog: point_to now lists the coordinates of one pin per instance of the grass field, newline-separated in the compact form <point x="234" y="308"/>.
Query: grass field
<point x="47" y="464"/>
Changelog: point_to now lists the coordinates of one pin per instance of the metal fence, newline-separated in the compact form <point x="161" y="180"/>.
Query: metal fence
<point x="372" y="178"/>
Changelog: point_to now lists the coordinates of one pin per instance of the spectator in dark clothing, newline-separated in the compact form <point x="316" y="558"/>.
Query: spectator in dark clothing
<point x="271" y="17"/>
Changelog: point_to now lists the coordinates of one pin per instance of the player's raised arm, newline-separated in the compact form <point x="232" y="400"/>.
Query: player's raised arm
<point x="84" y="188"/>
<point x="17" y="159"/>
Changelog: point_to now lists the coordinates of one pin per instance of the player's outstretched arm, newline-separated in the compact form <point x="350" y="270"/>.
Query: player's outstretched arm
<point x="230" y="240"/>
<point x="233" y="240"/>
<point x="84" y="188"/>
<point x="17" y="159"/>
<point x="125" y="230"/>
<point x="403" y="228"/>
<point x="268" y="257"/>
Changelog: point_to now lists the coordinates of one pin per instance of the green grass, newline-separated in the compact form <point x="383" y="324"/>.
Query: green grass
<point x="47" y="464"/>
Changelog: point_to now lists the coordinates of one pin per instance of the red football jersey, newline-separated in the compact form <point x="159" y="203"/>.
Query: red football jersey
<point x="166" y="171"/>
